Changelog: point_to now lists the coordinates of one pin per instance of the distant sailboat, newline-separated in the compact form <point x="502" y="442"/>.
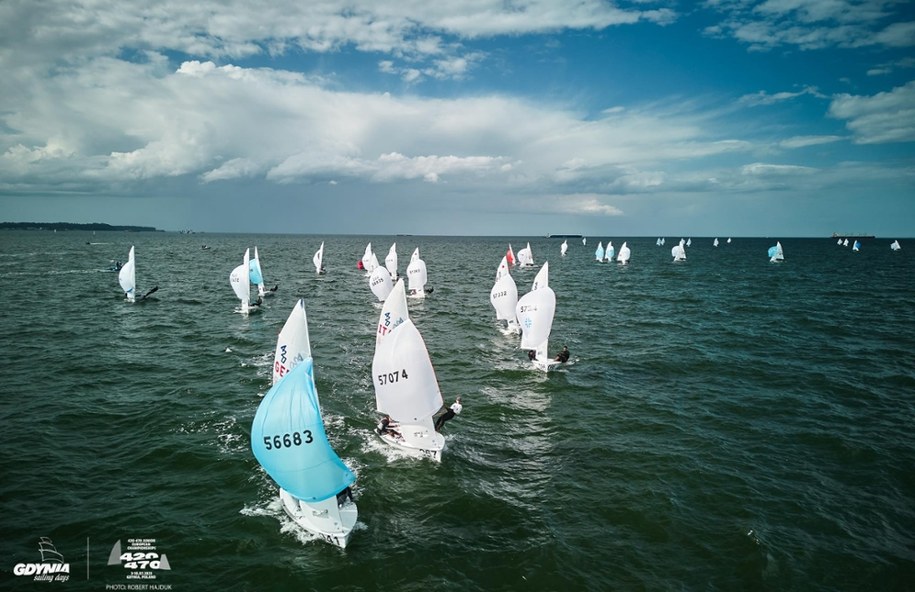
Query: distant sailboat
<point x="510" y="256"/>
<point x="658" y="242"/>
<point x="289" y="440"/>
<point x="729" y="240"/>
<point x="380" y="283"/>
<point x="564" y="248"/>
<point x="625" y="253"/>
<point x="689" y="242"/>
<point x="839" y="242"/>
<point x="895" y="245"/>
<point x="369" y="261"/>
<point x="599" y="253"/>
<point x="663" y="240"/>
<point x="535" y="311"/>
<point x="678" y="252"/>
<point x="609" y="252"/>
<point x="584" y="240"/>
<point x="318" y="260"/>
<point x="405" y="385"/>
<point x="776" y="254"/>
<point x="857" y="246"/>
<point x="845" y="243"/>
<point x="417" y="275"/>
<point x="504" y="298"/>
<point x="715" y="242"/>
<point x="241" y="284"/>
<point x="526" y="257"/>
<point x="256" y="276"/>
<point x="390" y="262"/>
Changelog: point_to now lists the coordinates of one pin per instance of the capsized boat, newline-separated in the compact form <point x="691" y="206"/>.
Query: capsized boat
<point x="289" y="440"/>
<point x="504" y="298"/>
<point x="318" y="259"/>
<point x="535" y="312"/>
<point x="406" y="388"/>
<point x="417" y="276"/>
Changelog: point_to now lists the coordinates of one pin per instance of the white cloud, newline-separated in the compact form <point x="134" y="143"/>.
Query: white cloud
<point x="761" y="169"/>
<point x="764" y="98"/>
<point x="881" y="118"/>
<point x="804" y="141"/>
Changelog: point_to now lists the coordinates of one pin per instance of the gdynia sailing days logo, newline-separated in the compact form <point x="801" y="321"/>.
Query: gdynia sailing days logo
<point x="52" y="567"/>
<point x="140" y="558"/>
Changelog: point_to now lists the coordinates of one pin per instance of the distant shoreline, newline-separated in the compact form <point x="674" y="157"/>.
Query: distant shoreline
<point x="73" y="226"/>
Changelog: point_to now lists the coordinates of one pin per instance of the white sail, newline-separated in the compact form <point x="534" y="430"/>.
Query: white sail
<point x="564" y="248"/>
<point x="292" y="344"/>
<point x="318" y="259"/>
<point x="542" y="279"/>
<point x="776" y="253"/>
<point x="715" y="242"/>
<point x="380" y="283"/>
<point x="367" y="257"/>
<point x="729" y="240"/>
<point x="609" y="252"/>
<point x="658" y="242"/>
<point x="663" y="241"/>
<point x="127" y="277"/>
<point x="390" y="262"/>
<point x="839" y="242"/>
<point x="406" y="388"/>
<point x="239" y="279"/>
<point x="504" y="297"/>
<point x="502" y="269"/>
<point x="845" y="243"/>
<point x="584" y="240"/>
<point x="678" y="252"/>
<point x="857" y="246"/>
<point x="624" y="254"/>
<point x="526" y="256"/>
<point x="417" y="276"/>
<point x="895" y="245"/>
<point x="535" y="312"/>
<point x="599" y="252"/>
<point x="689" y="242"/>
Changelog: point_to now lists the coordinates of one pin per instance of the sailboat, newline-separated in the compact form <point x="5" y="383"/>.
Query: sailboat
<point x="689" y="242"/>
<point x="678" y="252"/>
<point x="240" y="281"/>
<point x="127" y="277"/>
<point x="510" y="256"/>
<point x="289" y="441"/>
<point x="857" y="246"/>
<point x="535" y="312"/>
<point x="599" y="252"/>
<point x="390" y="262"/>
<point x="504" y="298"/>
<point x="564" y="248"/>
<point x="663" y="240"/>
<point x="526" y="256"/>
<point x="658" y="242"/>
<point x="729" y="240"/>
<point x="405" y="385"/>
<point x="318" y="260"/>
<point x="845" y="243"/>
<point x="256" y="276"/>
<point x="417" y="276"/>
<point x="609" y="252"/>
<point x="380" y="283"/>
<point x="625" y="253"/>
<point x="715" y="242"/>
<point x="895" y="245"/>
<point x="584" y="240"/>
<point x="775" y="253"/>
<point x="369" y="261"/>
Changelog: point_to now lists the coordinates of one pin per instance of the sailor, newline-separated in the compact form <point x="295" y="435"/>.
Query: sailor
<point x="386" y="426"/>
<point x="455" y="409"/>
<point x="531" y="355"/>
<point x="563" y="356"/>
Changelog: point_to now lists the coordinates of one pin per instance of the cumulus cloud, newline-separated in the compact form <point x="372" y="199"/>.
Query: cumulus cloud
<point x="882" y="118"/>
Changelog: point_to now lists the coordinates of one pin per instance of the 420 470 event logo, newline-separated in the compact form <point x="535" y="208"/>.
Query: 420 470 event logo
<point x="140" y="558"/>
<point x="52" y="568"/>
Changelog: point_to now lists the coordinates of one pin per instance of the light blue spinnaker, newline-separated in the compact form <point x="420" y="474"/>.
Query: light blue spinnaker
<point x="773" y="251"/>
<point x="599" y="252"/>
<point x="254" y="273"/>
<point x="289" y="441"/>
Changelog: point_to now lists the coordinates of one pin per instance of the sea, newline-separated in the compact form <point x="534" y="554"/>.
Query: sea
<point x="724" y="423"/>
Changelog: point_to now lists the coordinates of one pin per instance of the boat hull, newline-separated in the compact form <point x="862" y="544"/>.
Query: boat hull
<point x="416" y="440"/>
<point x="327" y="519"/>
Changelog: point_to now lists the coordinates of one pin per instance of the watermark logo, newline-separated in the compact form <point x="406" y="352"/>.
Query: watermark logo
<point x="140" y="557"/>
<point x="52" y="568"/>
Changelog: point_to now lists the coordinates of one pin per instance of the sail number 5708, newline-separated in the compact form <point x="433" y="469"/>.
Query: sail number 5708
<point x="392" y="377"/>
<point x="288" y="440"/>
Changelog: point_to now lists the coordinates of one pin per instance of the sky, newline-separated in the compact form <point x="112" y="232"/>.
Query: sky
<point x="478" y="117"/>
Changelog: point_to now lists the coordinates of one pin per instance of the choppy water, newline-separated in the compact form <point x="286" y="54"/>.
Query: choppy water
<point x="725" y="424"/>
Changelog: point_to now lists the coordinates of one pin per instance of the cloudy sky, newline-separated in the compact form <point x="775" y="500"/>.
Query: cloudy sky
<point x="480" y="117"/>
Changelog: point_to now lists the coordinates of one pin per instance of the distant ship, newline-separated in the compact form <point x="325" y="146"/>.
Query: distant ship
<point x="851" y="235"/>
<point x="563" y="236"/>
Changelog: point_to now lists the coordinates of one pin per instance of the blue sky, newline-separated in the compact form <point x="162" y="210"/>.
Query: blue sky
<point x="481" y="117"/>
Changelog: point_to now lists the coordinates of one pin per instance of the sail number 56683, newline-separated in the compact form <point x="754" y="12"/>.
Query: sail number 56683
<point x="392" y="377"/>
<point x="288" y="440"/>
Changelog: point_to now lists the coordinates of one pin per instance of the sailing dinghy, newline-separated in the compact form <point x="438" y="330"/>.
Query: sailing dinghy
<point x="240" y="281"/>
<point x="417" y="276"/>
<point x="895" y="245"/>
<point x="406" y="389"/>
<point x="564" y="248"/>
<point x="535" y="312"/>
<point x="678" y="252"/>
<point x="380" y="283"/>
<point x="256" y="276"/>
<point x="504" y="298"/>
<point x="318" y="260"/>
<point x="127" y="277"/>
<point x="289" y="441"/>
<point x="599" y="252"/>
<point x="623" y="257"/>
<point x="526" y="257"/>
<point x="390" y="262"/>
<point x="776" y="254"/>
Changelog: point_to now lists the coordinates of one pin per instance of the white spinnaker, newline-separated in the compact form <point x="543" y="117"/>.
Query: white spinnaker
<point x="380" y="283"/>
<point x="535" y="312"/>
<point x="127" y="276"/>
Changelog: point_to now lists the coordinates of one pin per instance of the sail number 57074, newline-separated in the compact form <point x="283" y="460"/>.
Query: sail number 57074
<point x="392" y="377"/>
<point x="288" y="440"/>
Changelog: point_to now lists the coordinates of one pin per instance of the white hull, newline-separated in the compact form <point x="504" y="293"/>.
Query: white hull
<point x="416" y="440"/>
<point x="333" y="523"/>
<point x="510" y="329"/>
<point x="417" y="294"/>
<point x="544" y="365"/>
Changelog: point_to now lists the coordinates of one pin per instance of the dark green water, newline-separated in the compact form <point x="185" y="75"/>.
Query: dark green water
<point x="725" y="424"/>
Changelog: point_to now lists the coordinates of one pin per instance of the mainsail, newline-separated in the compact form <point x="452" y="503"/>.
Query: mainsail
<point x="624" y="254"/>
<point x="239" y="279"/>
<point x="292" y="345"/>
<point x="416" y="275"/>
<point x="318" y="259"/>
<point x="390" y="262"/>
<point x="127" y="277"/>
